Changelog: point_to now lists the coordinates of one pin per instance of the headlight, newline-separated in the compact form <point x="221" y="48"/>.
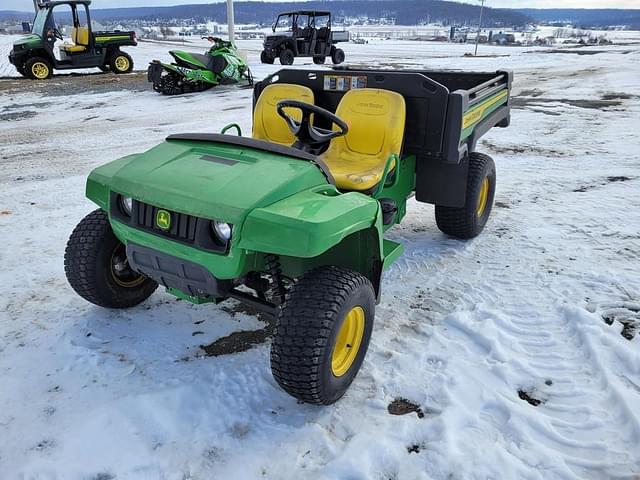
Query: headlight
<point x="222" y="231"/>
<point x="126" y="204"/>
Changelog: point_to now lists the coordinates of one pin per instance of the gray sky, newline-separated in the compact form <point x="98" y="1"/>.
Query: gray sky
<point x="27" y="5"/>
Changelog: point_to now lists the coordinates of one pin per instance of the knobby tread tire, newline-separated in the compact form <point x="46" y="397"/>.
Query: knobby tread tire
<point x="87" y="267"/>
<point x="306" y="328"/>
<point x="28" y="65"/>
<point x="463" y="222"/>
<point x="112" y="63"/>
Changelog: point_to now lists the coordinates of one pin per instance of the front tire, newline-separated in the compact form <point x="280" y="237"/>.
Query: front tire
<point x="266" y="58"/>
<point x="286" y="57"/>
<point x="469" y="221"/>
<point x="38" y="68"/>
<point x="121" y="63"/>
<point x="337" y="56"/>
<point x="322" y="334"/>
<point x="97" y="269"/>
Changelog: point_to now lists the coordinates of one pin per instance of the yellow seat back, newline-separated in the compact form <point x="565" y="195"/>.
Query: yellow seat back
<point x="81" y="36"/>
<point x="74" y="34"/>
<point x="376" y="120"/>
<point x="267" y="124"/>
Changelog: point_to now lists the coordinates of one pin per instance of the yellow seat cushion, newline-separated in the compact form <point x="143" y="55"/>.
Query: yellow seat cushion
<point x="376" y="121"/>
<point x="267" y="124"/>
<point x="79" y="36"/>
<point x="73" y="48"/>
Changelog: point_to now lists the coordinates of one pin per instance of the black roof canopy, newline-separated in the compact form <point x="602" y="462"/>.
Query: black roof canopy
<point x="316" y="13"/>
<point x="65" y="2"/>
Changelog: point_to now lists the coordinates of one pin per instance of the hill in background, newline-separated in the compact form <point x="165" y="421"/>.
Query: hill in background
<point x="601" y="17"/>
<point x="404" y="12"/>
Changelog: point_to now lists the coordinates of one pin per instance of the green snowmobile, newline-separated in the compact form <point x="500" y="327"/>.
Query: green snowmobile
<point x="193" y="72"/>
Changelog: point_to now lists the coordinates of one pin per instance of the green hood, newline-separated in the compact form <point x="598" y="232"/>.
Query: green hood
<point x="29" y="39"/>
<point x="209" y="180"/>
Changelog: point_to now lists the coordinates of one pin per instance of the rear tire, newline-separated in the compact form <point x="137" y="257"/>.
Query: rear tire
<point x="266" y="58"/>
<point x="286" y="57"/>
<point x="469" y="221"/>
<point x="121" y="63"/>
<point x="313" y="358"/>
<point x="38" y="68"/>
<point x="337" y="56"/>
<point x="319" y="60"/>
<point x="96" y="266"/>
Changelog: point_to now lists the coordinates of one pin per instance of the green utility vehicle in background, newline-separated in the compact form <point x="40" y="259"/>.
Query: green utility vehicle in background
<point x="292" y="220"/>
<point x="193" y="72"/>
<point x="34" y="55"/>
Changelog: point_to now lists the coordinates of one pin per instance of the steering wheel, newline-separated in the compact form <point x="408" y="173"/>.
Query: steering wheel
<point x="305" y="132"/>
<point x="57" y="34"/>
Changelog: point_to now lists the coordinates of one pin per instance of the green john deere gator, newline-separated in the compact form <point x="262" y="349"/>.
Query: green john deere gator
<point x="292" y="221"/>
<point x="34" y="55"/>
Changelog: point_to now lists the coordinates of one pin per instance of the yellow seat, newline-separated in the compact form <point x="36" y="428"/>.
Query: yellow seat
<point x="267" y="124"/>
<point x="376" y="121"/>
<point x="79" y="36"/>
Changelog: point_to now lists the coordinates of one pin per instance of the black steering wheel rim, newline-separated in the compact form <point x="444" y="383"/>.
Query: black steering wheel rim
<point x="304" y="130"/>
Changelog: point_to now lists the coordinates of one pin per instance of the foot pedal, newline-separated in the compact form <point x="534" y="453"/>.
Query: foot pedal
<point x="389" y="210"/>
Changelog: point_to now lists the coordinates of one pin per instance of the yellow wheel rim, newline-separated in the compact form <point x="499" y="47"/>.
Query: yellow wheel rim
<point x="483" y="197"/>
<point x="122" y="64"/>
<point x="40" y="70"/>
<point x="348" y="342"/>
<point x="129" y="279"/>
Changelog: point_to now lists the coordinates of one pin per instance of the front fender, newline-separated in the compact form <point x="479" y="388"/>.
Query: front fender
<point x="309" y="223"/>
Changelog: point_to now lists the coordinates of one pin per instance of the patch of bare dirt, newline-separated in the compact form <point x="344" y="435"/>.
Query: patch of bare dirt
<point x="243" y="340"/>
<point x="402" y="406"/>
<point x="594" y="104"/>
<point x="627" y="315"/>
<point x="522" y="150"/>
<point x="608" y="180"/>
<point x="74" y="83"/>
<point x="528" y="396"/>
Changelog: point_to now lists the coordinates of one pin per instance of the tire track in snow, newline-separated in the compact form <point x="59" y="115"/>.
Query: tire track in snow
<point x="584" y="421"/>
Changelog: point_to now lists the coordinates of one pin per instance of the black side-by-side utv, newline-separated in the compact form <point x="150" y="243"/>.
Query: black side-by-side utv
<point x="305" y="33"/>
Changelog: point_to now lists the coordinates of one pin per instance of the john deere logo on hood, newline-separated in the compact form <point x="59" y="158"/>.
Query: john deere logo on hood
<point x="163" y="220"/>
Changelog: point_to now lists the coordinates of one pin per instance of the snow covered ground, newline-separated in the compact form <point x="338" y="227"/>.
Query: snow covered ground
<point x="511" y="345"/>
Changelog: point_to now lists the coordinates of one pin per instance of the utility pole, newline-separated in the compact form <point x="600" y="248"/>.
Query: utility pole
<point x="479" y="26"/>
<point x="231" y="22"/>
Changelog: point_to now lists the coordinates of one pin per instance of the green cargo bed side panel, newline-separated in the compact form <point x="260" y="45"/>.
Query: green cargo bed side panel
<point x="309" y="223"/>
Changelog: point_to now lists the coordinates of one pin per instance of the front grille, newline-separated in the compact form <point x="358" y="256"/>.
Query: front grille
<point x="183" y="226"/>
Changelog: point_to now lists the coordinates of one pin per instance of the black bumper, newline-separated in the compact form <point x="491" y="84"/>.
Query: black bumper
<point x="18" y="59"/>
<point x="173" y="272"/>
